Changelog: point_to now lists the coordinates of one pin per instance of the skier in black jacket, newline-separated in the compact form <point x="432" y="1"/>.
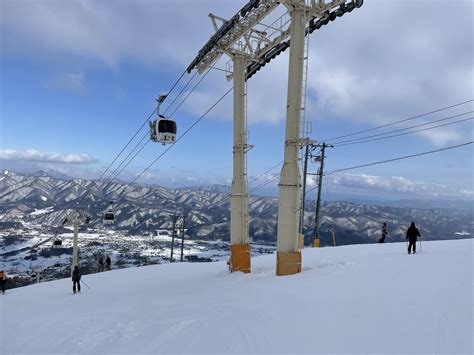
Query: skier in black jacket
<point x="76" y="278"/>
<point x="412" y="236"/>
<point x="384" y="233"/>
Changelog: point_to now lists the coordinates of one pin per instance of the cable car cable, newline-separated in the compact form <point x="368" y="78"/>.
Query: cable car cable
<point x="147" y="134"/>
<point x="180" y="93"/>
<point x="183" y="135"/>
<point x="190" y="92"/>
<point x="112" y="176"/>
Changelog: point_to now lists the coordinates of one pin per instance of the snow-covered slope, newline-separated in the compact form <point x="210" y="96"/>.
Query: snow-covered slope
<point x="356" y="299"/>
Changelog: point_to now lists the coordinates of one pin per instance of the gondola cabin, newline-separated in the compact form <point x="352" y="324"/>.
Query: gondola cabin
<point x="57" y="243"/>
<point x="109" y="218"/>
<point x="163" y="130"/>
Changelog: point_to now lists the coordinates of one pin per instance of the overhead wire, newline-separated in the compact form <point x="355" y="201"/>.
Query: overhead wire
<point x="401" y="158"/>
<point x="395" y="159"/>
<point x="399" y="121"/>
<point x="406" y="133"/>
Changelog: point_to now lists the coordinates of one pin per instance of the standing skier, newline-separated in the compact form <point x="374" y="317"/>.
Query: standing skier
<point x="384" y="233"/>
<point x="412" y="236"/>
<point x="3" y="281"/>
<point x="76" y="279"/>
<point x="101" y="264"/>
<point x="108" y="262"/>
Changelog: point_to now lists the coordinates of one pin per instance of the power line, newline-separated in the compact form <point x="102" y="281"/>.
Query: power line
<point x="403" y="134"/>
<point x="401" y="158"/>
<point x="394" y="159"/>
<point x="400" y="121"/>
<point x="403" y="129"/>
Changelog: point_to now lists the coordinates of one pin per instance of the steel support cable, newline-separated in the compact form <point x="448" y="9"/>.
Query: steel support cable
<point x="265" y="183"/>
<point x="180" y="93"/>
<point x="190" y="92"/>
<point x="396" y="122"/>
<point x="117" y="173"/>
<point x="179" y="139"/>
<point x="129" y="142"/>
<point x="139" y="129"/>
<point x="403" y="129"/>
<point x="406" y="133"/>
<point x="179" y="105"/>
<point x="267" y="171"/>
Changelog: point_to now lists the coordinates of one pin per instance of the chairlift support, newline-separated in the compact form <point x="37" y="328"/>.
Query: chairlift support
<point x="163" y="129"/>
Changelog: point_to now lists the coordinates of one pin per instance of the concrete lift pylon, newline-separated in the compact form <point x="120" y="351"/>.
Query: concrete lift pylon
<point x="251" y="45"/>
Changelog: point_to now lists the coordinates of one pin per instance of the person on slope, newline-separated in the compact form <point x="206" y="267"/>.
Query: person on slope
<point x="384" y="233"/>
<point x="412" y="236"/>
<point x="76" y="279"/>
<point x="108" y="262"/>
<point x="3" y="281"/>
<point x="101" y="264"/>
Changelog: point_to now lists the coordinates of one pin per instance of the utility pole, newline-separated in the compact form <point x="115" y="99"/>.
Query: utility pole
<point x="182" y="237"/>
<point x="318" y="202"/>
<point x="172" y="237"/>
<point x="309" y="148"/>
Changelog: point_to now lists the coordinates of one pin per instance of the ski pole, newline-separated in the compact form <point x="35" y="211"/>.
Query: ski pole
<point x="85" y="284"/>
<point x="420" y="243"/>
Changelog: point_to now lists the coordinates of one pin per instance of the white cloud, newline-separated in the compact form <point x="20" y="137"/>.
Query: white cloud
<point x="393" y="185"/>
<point x="384" y="62"/>
<point x="33" y="155"/>
<point x="73" y="82"/>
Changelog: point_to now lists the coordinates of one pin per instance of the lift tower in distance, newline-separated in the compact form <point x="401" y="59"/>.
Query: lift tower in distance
<point x="76" y="218"/>
<point x="251" y="44"/>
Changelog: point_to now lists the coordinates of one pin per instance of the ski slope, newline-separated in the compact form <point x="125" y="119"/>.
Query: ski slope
<point x="352" y="299"/>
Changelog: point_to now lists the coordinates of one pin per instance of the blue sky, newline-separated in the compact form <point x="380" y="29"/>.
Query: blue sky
<point x="78" y="78"/>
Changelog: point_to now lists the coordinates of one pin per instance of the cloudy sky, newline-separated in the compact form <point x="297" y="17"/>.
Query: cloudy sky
<point x="79" y="77"/>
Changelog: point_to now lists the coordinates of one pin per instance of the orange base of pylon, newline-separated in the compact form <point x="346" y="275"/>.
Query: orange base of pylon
<point x="240" y="258"/>
<point x="288" y="263"/>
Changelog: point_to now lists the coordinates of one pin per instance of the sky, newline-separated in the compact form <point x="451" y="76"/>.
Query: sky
<point x="80" y="77"/>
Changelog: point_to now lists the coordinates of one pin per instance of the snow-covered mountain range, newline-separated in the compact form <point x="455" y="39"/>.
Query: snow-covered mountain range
<point x="42" y="200"/>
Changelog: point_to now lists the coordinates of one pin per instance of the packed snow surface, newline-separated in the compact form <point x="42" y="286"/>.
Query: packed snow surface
<point x="353" y="299"/>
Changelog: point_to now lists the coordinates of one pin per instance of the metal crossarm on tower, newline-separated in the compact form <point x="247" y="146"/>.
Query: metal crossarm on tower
<point x="251" y="44"/>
